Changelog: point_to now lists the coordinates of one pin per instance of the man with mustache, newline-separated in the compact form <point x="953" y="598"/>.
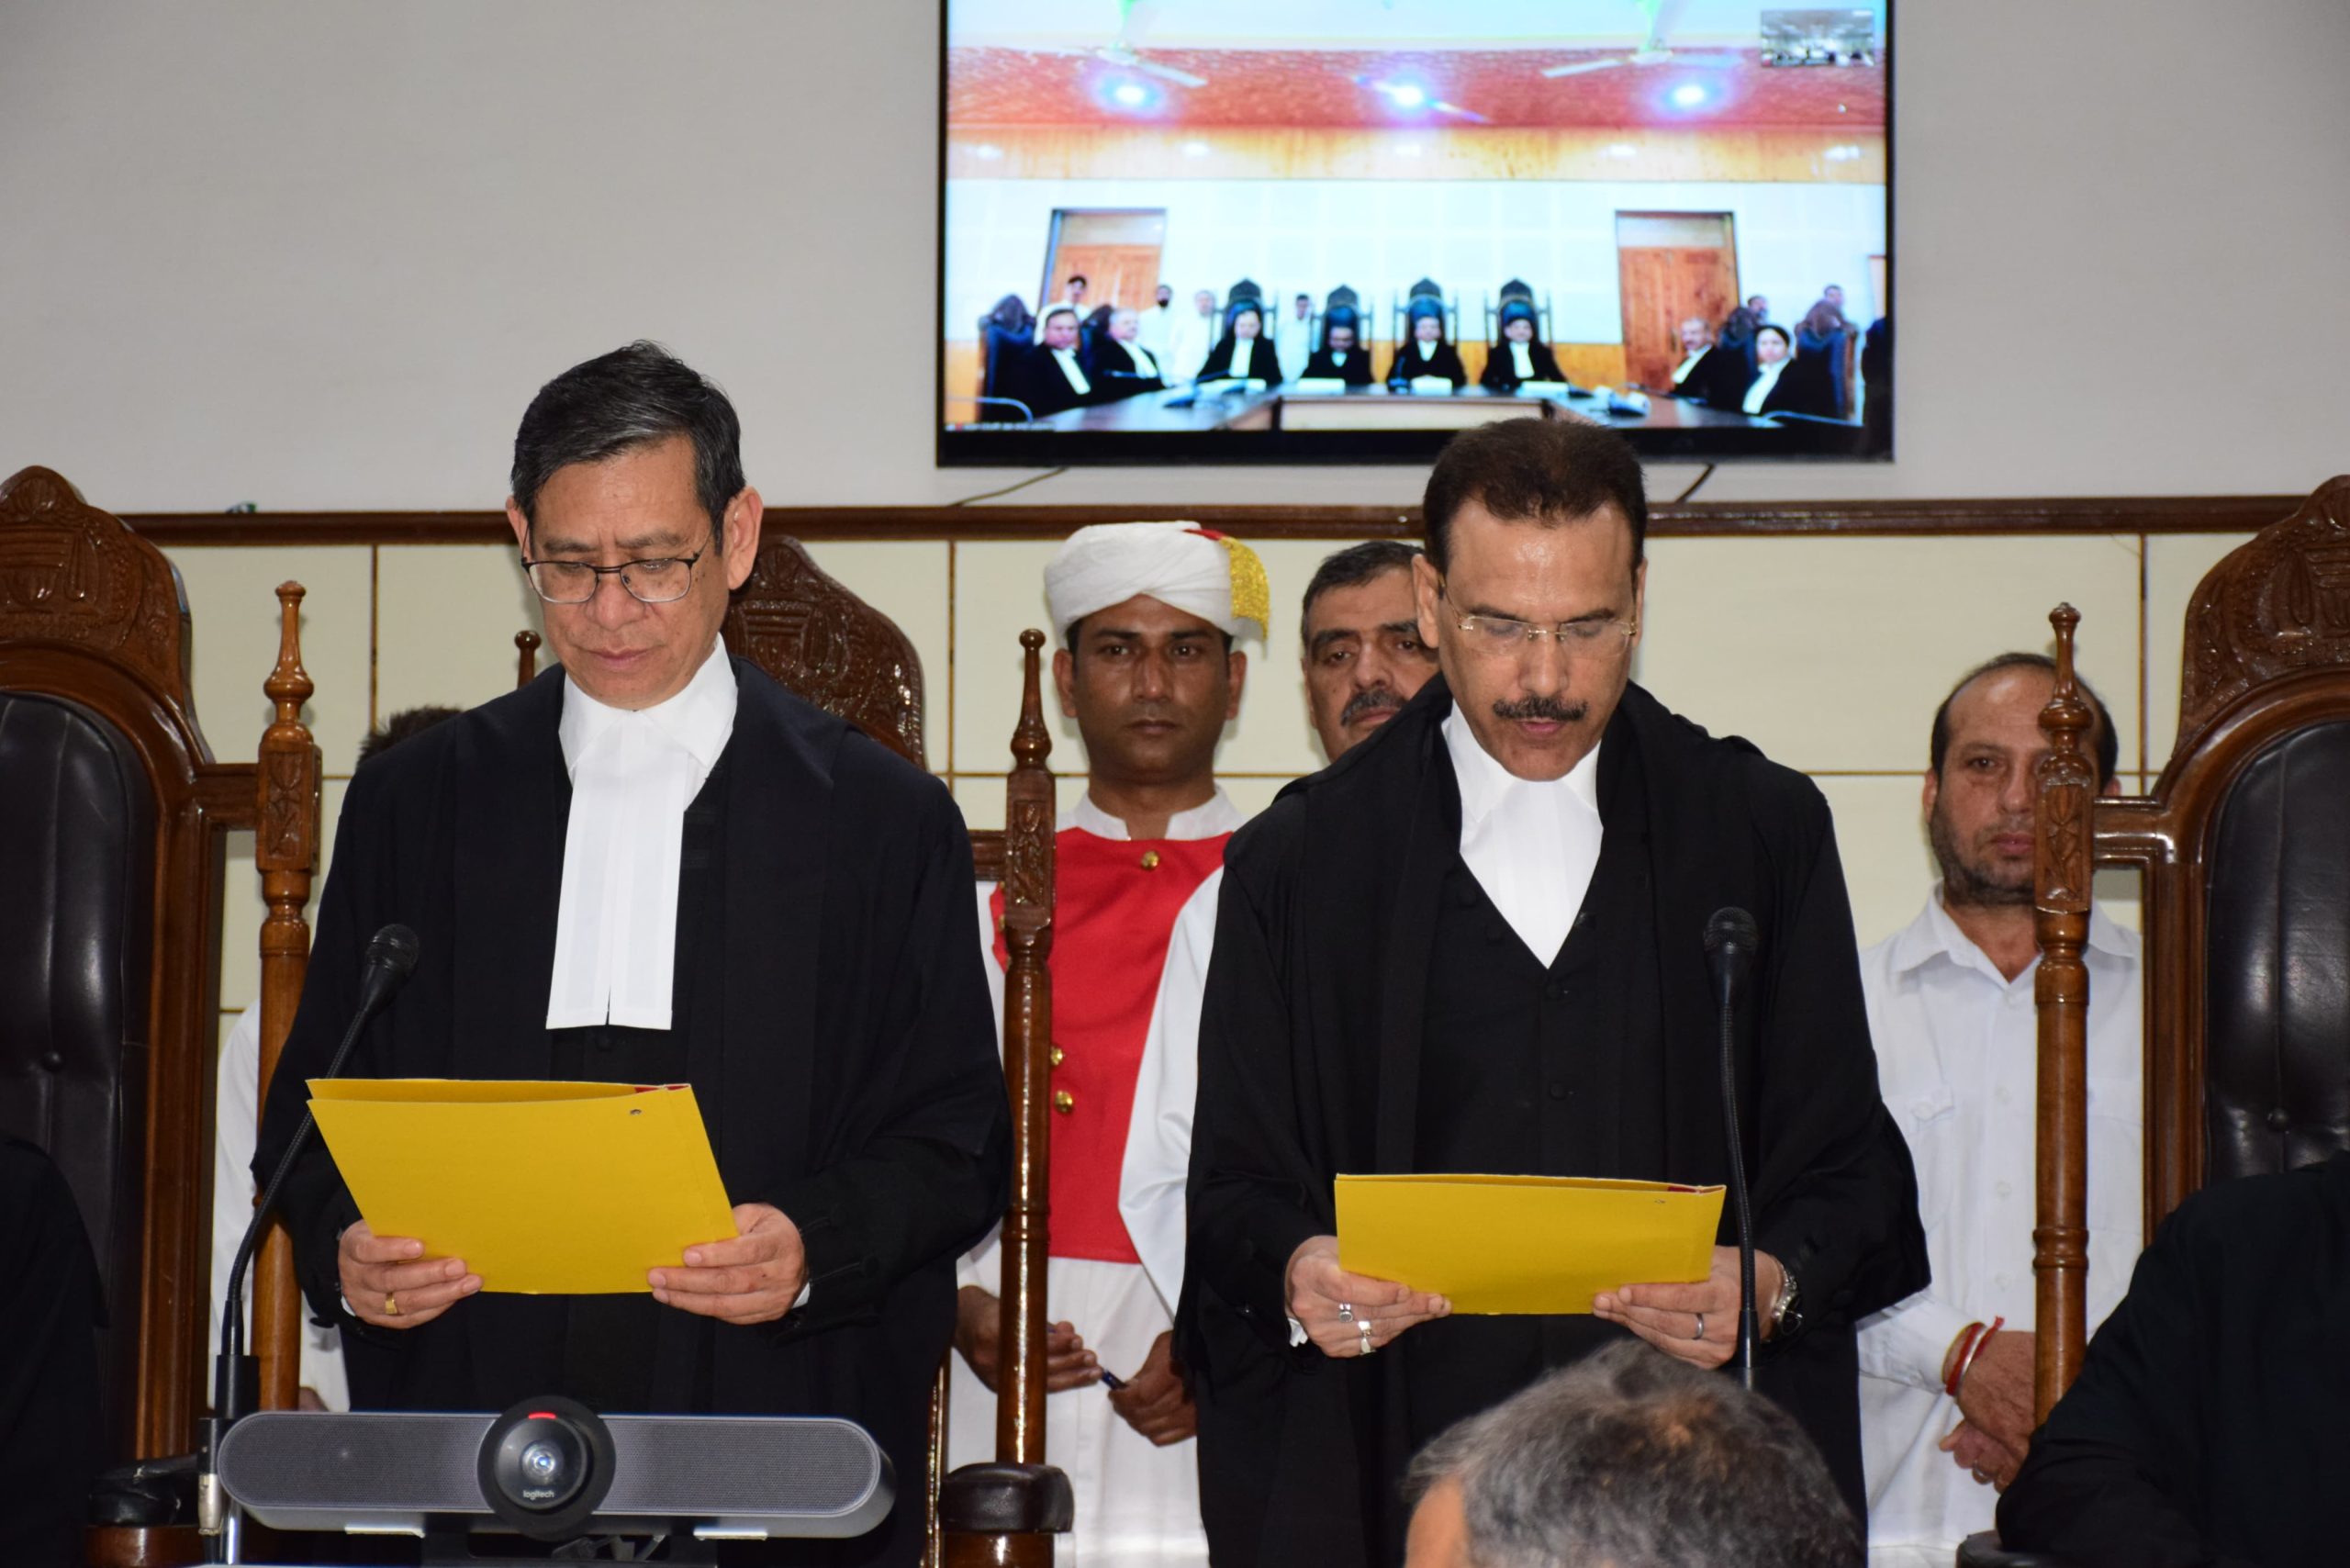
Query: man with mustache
<point x="1360" y="644"/>
<point x="1148" y="613"/>
<point x="1475" y="945"/>
<point x="1946" y="1400"/>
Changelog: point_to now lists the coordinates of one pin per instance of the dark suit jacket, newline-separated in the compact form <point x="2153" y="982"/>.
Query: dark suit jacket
<point x="1307" y="1068"/>
<point x="1445" y="362"/>
<point x="1714" y="368"/>
<point x="842" y="1057"/>
<point x="1803" y="387"/>
<point x="1036" y="379"/>
<point x="1116" y="374"/>
<point x="1263" y="364"/>
<point x="1501" y="367"/>
<point x="1356" y="372"/>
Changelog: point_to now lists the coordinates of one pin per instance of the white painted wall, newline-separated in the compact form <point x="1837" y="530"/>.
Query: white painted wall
<point x="1309" y="236"/>
<point x="318" y="253"/>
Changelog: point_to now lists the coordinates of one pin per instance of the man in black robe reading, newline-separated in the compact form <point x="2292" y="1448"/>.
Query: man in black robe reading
<point x="656" y="865"/>
<point x="1474" y="943"/>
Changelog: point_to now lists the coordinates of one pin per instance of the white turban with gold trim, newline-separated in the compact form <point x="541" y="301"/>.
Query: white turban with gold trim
<point x="1179" y="564"/>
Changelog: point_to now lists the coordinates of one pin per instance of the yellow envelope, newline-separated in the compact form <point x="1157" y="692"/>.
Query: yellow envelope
<point x="572" y="1189"/>
<point x="1525" y="1244"/>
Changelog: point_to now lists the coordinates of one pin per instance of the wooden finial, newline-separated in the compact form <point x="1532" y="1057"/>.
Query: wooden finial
<point x="289" y="684"/>
<point x="526" y="660"/>
<point x="1032" y="741"/>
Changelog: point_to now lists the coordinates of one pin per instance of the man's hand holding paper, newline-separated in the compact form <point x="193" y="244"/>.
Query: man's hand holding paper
<point x="391" y="1283"/>
<point x="753" y="1277"/>
<point x="1698" y="1323"/>
<point x="1348" y="1313"/>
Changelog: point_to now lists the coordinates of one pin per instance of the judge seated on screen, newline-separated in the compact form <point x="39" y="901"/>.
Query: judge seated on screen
<point x="1520" y="357"/>
<point x="1048" y="378"/>
<point x="1425" y="355"/>
<point x="1122" y="367"/>
<point x="1242" y="353"/>
<point x="653" y="865"/>
<point x="1341" y="356"/>
<point x="1706" y="366"/>
<point x="1783" y="382"/>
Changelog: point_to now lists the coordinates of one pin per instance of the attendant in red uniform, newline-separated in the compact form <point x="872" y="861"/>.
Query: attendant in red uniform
<point x="1150" y="612"/>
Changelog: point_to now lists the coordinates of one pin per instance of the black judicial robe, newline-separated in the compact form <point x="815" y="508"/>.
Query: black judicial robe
<point x="1037" y="380"/>
<point x="52" y="1404"/>
<point x="1501" y="367"/>
<point x="1356" y="372"/>
<point x="1718" y="373"/>
<point x="831" y="1014"/>
<point x="1409" y="365"/>
<point x="2205" y="1425"/>
<point x="1117" y="374"/>
<point x="1263" y="363"/>
<point x="1312" y="1060"/>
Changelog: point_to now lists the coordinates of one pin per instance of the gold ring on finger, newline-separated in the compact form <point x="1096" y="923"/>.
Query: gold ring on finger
<point x="391" y="1304"/>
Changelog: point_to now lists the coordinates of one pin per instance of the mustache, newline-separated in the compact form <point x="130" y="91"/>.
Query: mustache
<point x="1551" y="710"/>
<point x="1374" y="699"/>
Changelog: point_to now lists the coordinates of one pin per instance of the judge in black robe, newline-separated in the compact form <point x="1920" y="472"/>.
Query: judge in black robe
<point x="1342" y="356"/>
<point x="1424" y="351"/>
<point x="1120" y="366"/>
<point x="1244" y="323"/>
<point x="1518" y="325"/>
<point x="1368" y="1010"/>
<point x="838" y="1044"/>
<point x="1049" y="375"/>
<point x="2204" y="1427"/>
<point x="1799" y="382"/>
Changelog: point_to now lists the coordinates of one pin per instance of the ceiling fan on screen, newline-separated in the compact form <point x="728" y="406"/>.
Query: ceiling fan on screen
<point x="1662" y="17"/>
<point x="1123" y="50"/>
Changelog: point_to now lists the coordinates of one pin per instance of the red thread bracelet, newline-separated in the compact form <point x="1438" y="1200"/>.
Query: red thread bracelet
<point x="1966" y="1341"/>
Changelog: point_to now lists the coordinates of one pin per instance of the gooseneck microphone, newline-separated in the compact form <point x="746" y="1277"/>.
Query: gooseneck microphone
<point x="1730" y="944"/>
<point x="391" y="958"/>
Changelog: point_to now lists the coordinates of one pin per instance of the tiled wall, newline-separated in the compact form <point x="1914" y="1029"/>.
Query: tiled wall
<point x="1829" y="653"/>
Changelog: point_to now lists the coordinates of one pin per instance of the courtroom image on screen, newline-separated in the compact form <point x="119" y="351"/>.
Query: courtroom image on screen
<point x="1283" y="230"/>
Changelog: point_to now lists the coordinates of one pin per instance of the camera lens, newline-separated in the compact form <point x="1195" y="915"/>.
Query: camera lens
<point x="541" y="1463"/>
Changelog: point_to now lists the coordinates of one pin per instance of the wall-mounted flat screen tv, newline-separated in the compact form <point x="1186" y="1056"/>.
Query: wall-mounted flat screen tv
<point x="1301" y="230"/>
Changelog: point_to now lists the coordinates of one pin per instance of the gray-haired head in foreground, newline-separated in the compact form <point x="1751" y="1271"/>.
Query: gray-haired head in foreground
<point x="1634" y="1460"/>
<point x="618" y="402"/>
<point x="1355" y="565"/>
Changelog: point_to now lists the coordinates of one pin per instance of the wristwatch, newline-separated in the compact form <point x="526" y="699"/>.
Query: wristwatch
<point x="1787" y="1311"/>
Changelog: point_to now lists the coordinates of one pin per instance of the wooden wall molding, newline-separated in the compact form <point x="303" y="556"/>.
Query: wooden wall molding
<point x="2142" y="514"/>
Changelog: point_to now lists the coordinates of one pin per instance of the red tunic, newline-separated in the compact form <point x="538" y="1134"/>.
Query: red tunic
<point x="1114" y="906"/>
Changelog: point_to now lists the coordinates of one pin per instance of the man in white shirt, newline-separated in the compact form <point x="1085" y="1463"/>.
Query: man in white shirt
<point x="654" y="865"/>
<point x="1949" y="1005"/>
<point x="1359" y="642"/>
<point x="1157" y="323"/>
<point x="1150" y="611"/>
<point x="1190" y="337"/>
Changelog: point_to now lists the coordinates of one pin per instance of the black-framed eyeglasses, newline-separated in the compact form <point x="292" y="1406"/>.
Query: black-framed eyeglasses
<point x="662" y="581"/>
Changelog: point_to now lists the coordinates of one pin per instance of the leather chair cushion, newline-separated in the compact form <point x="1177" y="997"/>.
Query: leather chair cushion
<point x="77" y="833"/>
<point x="2277" y="959"/>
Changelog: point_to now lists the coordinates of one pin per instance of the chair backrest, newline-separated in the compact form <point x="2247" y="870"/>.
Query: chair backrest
<point x="2245" y="852"/>
<point x="824" y="643"/>
<point x="1247" y="288"/>
<point x="113" y="1072"/>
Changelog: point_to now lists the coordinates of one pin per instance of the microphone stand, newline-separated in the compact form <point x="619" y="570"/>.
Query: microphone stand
<point x="236" y="1376"/>
<point x="1731" y="943"/>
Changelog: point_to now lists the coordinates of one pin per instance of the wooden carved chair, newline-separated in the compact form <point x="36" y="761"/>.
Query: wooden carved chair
<point x="830" y="646"/>
<point x="2244" y="843"/>
<point x="106" y="775"/>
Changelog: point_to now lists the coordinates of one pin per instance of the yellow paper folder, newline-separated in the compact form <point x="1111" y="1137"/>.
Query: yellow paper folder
<point x="573" y="1189"/>
<point x="1525" y="1244"/>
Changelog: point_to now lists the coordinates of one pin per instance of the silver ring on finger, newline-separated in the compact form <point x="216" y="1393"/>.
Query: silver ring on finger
<point x="1701" y="1326"/>
<point x="1345" y="1312"/>
<point x="1366" y="1346"/>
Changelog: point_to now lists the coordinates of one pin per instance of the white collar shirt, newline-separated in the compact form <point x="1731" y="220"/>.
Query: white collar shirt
<point x="1214" y="815"/>
<point x="1427" y="350"/>
<point x="1145" y="366"/>
<point x="1066" y="358"/>
<point x="1765" y="377"/>
<point x="1243" y="353"/>
<point x="1521" y="360"/>
<point x="1957" y="1063"/>
<point x="1680" y="373"/>
<point x="633" y="774"/>
<point x="1531" y="844"/>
